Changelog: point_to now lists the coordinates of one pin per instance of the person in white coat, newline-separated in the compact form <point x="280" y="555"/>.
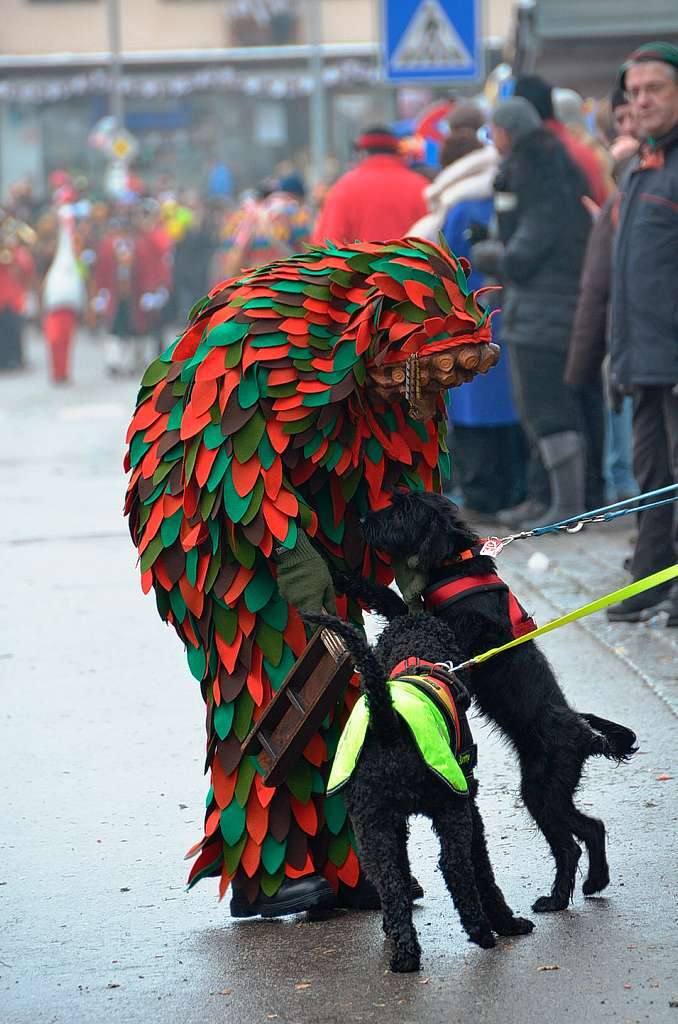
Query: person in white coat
<point x="468" y="170"/>
<point x="63" y="299"/>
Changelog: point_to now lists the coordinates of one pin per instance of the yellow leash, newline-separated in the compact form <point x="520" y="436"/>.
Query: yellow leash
<point x="663" y="576"/>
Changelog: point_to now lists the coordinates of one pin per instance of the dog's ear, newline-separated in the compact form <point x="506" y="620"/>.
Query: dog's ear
<point x="446" y="533"/>
<point x="435" y="547"/>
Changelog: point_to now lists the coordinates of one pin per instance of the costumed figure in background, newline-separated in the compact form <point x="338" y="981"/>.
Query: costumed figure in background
<point x="269" y="226"/>
<point x="16" y="276"/>
<point x="63" y="296"/>
<point x="128" y="296"/>
<point x="300" y="395"/>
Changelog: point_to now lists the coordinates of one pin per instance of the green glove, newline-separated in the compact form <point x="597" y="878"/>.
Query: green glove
<point x="304" y="579"/>
<point x="411" y="582"/>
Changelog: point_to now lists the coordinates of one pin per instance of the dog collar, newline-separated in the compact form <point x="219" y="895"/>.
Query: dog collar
<point x="490" y="546"/>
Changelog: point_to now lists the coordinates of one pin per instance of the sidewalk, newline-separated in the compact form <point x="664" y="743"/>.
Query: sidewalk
<point x="102" y="791"/>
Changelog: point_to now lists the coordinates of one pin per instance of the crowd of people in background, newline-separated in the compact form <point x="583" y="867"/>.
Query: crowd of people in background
<point x="569" y="218"/>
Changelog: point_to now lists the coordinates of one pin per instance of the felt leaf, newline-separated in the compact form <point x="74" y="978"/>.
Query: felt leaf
<point x="338" y="848"/>
<point x="157" y="371"/>
<point x="299" y="781"/>
<point x="334" y="809"/>
<point x="246" y="774"/>
<point x="232" y="823"/>
<point x="196" y="661"/>
<point x="223" y="719"/>
<point x="272" y="854"/>
<point x="243" y="715"/>
<point x="232" y="855"/>
<point x="271" y="883"/>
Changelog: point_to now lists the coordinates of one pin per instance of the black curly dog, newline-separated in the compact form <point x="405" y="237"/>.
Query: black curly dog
<point x="517" y="690"/>
<point x="391" y="782"/>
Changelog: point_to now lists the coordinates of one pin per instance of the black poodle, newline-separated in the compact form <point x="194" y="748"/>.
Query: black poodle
<point x="391" y="782"/>
<point x="517" y="690"/>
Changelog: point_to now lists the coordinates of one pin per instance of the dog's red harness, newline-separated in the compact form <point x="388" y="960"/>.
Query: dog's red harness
<point x="446" y="592"/>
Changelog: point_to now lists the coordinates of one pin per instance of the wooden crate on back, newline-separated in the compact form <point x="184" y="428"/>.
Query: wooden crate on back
<point x="309" y="692"/>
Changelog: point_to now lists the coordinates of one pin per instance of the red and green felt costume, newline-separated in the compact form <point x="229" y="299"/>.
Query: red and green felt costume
<point x="256" y="422"/>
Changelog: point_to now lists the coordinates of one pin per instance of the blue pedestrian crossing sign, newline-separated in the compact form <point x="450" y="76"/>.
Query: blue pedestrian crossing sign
<point x="431" y="40"/>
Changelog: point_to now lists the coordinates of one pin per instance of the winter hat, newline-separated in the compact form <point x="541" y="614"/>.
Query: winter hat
<point x="292" y="183"/>
<point x="666" y="53"/>
<point x="466" y="116"/>
<point x="377" y="139"/>
<point x="568" y="106"/>
<point x="516" y="116"/>
<point x="538" y="91"/>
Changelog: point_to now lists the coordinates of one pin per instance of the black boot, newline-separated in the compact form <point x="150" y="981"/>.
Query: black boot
<point x="642" y="607"/>
<point x="295" y="896"/>
<point x="564" y="458"/>
<point x="527" y="511"/>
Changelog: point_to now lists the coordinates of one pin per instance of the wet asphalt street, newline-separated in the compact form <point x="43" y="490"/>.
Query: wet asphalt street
<point x="101" y="790"/>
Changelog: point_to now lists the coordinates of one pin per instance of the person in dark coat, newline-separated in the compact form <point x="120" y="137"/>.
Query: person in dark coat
<point x="543" y="228"/>
<point x="644" y="335"/>
<point x="603" y="428"/>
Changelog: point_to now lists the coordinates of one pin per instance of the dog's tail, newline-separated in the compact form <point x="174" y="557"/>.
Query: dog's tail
<point x="383" y="718"/>
<point x="619" y="742"/>
<point x="375" y="596"/>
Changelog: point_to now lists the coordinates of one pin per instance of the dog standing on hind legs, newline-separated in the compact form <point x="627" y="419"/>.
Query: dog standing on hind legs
<point x="518" y="691"/>
<point x="390" y="781"/>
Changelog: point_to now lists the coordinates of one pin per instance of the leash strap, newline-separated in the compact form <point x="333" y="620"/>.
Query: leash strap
<point x="657" y="578"/>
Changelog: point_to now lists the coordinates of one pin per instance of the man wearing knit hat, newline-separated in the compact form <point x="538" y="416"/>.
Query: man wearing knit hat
<point x="644" y="336"/>
<point x="543" y="225"/>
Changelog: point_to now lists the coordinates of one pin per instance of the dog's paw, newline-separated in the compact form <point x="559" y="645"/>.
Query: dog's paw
<point x="520" y="926"/>
<point x="483" y="937"/>
<point x="550" y="904"/>
<point x="513" y="926"/>
<point x="405" y="960"/>
<point x="596" y="882"/>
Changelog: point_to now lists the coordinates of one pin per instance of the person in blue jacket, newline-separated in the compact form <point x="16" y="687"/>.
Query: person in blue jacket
<point x="487" y="441"/>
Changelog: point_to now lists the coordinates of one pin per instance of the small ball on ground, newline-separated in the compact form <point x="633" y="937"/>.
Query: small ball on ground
<point x="538" y="562"/>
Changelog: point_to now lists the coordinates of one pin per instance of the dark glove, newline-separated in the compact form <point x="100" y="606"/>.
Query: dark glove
<point x="487" y="257"/>
<point x="614" y="394"/>
<point x="476" y="232"/>
<point x="304" y="579"/>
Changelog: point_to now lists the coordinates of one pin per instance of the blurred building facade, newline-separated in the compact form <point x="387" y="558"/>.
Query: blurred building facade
<point x="204" y="81"/>
<point x="229" y="82"/>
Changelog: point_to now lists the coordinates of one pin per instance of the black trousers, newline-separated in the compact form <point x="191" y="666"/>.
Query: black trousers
<point x="545" y="406"/>
<point x="655" y="464"/>
<point x="11" y="329"/>
<point x="490" y="465"/>
<point x="591" y="410"/>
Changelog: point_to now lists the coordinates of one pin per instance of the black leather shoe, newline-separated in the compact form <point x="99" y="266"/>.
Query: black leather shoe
<point x="295" y="896"/>
<point x="365" y="897"/>
<point x="641" y="607"/>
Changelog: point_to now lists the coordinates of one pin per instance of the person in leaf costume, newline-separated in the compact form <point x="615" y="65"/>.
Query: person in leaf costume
<point x="299" y="397"/>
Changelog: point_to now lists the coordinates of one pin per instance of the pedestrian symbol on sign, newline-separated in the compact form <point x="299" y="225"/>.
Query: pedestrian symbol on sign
<point x="430" y="41"/>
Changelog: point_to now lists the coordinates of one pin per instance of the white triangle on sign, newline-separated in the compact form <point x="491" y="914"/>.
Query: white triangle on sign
<point x="430" y="41"/>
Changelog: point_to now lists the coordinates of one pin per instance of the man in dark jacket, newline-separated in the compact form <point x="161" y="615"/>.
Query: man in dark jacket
<point x="543" y="225"/>
<point x="644" y="337"/>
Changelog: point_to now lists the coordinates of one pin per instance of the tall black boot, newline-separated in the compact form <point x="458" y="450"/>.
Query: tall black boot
<point x="564" y="458"/>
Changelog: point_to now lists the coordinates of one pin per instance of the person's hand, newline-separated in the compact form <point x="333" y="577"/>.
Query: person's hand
<point x="615" y="396"/>
<point x="590" y="206"/>
<point x="411" y="582"/>
<point x="304" y="579"/>
<point x="487" y="256"/>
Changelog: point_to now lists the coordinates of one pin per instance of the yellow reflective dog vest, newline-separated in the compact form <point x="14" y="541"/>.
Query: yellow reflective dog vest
<point x="425" y="721"/>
